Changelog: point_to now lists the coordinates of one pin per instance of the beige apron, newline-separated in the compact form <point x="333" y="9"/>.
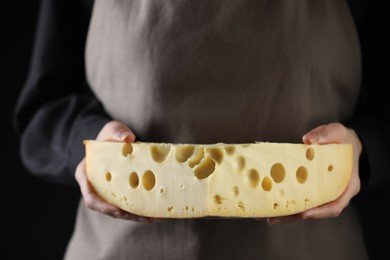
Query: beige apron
<point x="204" y="71"/>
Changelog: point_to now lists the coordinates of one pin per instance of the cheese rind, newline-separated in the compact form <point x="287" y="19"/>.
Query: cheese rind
<point x="223" y="180"/>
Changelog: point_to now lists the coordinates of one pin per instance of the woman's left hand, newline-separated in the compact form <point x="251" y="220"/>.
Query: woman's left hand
<point x="324" y="134"/>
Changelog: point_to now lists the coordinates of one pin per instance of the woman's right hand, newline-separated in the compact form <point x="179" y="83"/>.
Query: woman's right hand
<point x="112" y="131"/>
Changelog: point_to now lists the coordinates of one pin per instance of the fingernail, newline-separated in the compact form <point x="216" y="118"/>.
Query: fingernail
<point x="117" y="214"/>
<point x="306" y="215"/>
<point x="273" y="221"/>
<point x="124" y="136"/>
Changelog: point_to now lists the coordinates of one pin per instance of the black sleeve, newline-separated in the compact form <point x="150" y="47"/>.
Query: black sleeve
<point x="56" y="109"/>
<point x="372" y="119"/>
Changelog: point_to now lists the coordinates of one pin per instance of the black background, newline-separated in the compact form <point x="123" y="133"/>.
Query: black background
<point x="40" y="215"/>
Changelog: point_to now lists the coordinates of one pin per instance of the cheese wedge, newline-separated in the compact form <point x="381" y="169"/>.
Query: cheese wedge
<point x="217" y="180"/>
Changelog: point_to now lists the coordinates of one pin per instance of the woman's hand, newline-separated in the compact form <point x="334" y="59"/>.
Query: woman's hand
<point x="112" y="131"/>
<point x="324" y="134"/>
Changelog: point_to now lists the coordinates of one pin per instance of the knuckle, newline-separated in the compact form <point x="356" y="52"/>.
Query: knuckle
<point x="305" y="217"/>
<point x="89" y="203"/>
<point x="77" y="176"/>
<point x="336" y="213"/>
<point x="337" y="125"/>
<point x="108" y="130"/>
<point x="336" y="131"/>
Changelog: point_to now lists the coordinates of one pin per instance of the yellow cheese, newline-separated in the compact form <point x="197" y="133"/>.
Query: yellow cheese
<point x="225" y="180"/>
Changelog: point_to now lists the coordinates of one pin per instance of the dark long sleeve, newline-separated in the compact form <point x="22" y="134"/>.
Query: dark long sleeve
<point x="372" y="119"/>
<point x="56" y="109"/>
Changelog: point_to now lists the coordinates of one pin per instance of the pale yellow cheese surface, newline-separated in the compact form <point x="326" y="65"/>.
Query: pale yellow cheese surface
<point x="223" y="180"/>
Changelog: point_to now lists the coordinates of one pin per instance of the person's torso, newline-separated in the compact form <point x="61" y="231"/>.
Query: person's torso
<point x="221" y="71"/>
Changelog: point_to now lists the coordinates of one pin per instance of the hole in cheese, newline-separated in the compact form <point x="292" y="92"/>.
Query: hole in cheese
<point x="204" y="169"/>
<point x="278" y="173"/>
<point x="276" y="205"/>
<point x="267" y="184"/>
<point x="330" y="168"/>
<point x="216" y="154"/>
<point x="108" y="176"/>
<point x="290" y="202"/>
<point x="160" y="152"/>
<point x="217" y="199"/>
<point x="127" y="149"/>
<point x="252" y="178"/>
<point x="301" y="174"/>
<point x="133" y="180"/>
<point x="241" y="205"/>
<point x="230" y="150"/>
<point x="235" y="191"/>
<point x="196" y="157"/>
<point x="170" y="209"/>
<point x="183" y="153"/>
<point x="148" y="180"/>
<point x="310" y="153"/>
<point x="239" y="163"/>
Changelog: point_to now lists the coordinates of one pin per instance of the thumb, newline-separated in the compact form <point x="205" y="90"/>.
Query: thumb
<point x="116" y="131"/>
<point x="329" y="133"/>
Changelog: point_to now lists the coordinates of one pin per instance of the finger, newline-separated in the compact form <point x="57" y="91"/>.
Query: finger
<point x="129" y="216"/>
<point x="329" y="210"/>
<point x="91" y="200"/>
<point x="286" y="219"/>
<point x="96" y="203"/>
<point x="333" y="209"/>
<point x="330" y="133"/>
<point x="116" y="131"/>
